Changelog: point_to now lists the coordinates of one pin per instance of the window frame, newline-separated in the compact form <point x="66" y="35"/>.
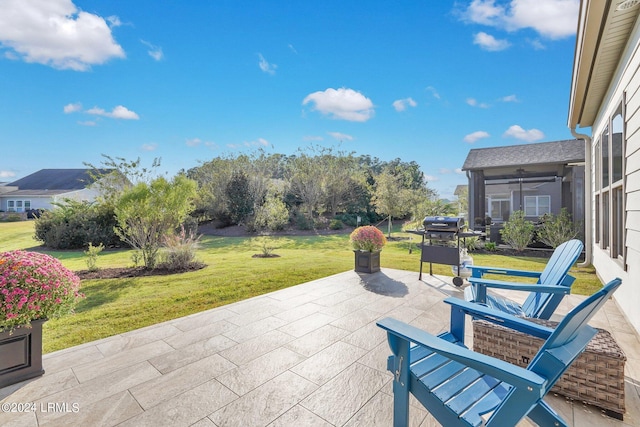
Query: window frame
<point x="609" y="195"/>
<point x="537" y="199"/>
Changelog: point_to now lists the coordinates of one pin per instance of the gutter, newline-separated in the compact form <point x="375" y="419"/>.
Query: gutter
<point x="588" y="213"/>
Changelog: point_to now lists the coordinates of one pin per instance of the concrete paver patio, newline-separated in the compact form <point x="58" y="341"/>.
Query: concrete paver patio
<point x="309" y="355"/>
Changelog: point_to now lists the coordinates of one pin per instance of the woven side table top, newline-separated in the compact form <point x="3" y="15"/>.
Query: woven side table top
<point x="596" y="377"/>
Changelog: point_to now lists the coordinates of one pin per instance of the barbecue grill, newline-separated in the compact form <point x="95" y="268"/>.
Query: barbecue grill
<point x="441" y="243"/>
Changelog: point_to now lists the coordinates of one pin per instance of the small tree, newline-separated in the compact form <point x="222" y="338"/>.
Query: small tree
<point x="147" y="213"/>
<point x="518" y="232"/>
<point x="389" y="197"/>
<point x="557" y="229"/>
<point x="272" y="215"/>
<point x="239" y="199"/>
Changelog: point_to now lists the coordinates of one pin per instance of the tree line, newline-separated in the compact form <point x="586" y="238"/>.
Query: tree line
<point x="314" y="188"/>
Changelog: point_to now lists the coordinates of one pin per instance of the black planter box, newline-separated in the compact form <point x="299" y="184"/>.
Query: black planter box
<point x="21" y="354"/>
<point x="367" y="262"/>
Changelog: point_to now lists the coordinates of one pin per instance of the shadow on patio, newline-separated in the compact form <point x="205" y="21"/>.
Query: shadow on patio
<point x="307" y="355"/>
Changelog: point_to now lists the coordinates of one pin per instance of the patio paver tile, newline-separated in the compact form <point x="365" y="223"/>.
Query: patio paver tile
<point x="175" y="359"/>
<point x="208" y="330"/>
<point x="339" y="399"/>
<point x="317" y="340"/>
<point x="247" y="351"/>
<point x="245" y="378"/>
<point x="185" y="409"/>
<point x="328" y="363"/>
<point x="162" y="388"/>
<point x="264" y="404"/>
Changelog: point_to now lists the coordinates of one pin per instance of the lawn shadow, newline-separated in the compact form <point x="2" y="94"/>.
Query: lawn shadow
<point x="381" y="284"/>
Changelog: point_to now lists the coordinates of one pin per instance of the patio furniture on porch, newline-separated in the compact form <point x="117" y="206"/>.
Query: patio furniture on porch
<point x="460" y="387"/>
<point x="553" y="284"/>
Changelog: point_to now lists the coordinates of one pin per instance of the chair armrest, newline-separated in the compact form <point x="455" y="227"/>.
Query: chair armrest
<point x="527" y="287"/>
<point x="499" y="369"/>
<point x="479" y="271"/>
<point x="459" y="308"/>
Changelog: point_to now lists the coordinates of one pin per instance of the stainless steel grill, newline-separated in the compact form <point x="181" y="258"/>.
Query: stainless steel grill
<point x="441" y="243"/>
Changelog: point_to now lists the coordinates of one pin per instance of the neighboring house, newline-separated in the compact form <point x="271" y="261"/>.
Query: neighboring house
<point x="535" y="178"/>
<point x="42" y="189"/>
<point x="605" y="97"/>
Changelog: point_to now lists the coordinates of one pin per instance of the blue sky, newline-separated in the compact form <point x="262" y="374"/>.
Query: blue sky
<point x="187" y="81"/>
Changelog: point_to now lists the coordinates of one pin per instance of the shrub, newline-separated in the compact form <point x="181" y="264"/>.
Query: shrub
<point x="302" y="222"/>
<point x="491" y="246"/>
<point x="179" y="251"/>
<point x="72" y="225"/>
<point x="92" y="256"/>
<point x="367" y="238"/>
<point x="34" y="286"/>
<point x="336" y="224"/>
<point x="273" y="215"/>
<point x="557" y="229"/>
<point x="266" y="245"/>
<point x="518" y="232"/>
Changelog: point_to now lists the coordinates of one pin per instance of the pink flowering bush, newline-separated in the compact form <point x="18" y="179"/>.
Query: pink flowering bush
<point x="34" y="286"/>
<point x="367" y="238"/>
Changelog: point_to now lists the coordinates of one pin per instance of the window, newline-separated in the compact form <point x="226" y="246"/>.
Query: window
<point x="499" y="206"/>
<point x="18" y="205"/>
<point x="609" y="157"/>
<point x="537" y="205"/>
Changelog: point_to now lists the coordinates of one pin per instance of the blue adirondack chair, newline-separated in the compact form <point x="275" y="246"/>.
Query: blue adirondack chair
<point x="458" y="386"/>
<point x="554" y="282"/>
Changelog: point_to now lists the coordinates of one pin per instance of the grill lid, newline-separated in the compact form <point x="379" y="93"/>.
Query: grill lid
<point x="443" y="223"/>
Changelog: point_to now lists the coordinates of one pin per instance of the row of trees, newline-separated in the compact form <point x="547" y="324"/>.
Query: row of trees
<point x="261" y="191"/>
<point x="314" y="183"/>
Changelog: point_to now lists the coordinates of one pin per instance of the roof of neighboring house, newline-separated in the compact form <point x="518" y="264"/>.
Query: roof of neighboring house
<point x="459" y="189"/>
<point x="56" y="179"/>
<point x="555" y="152"/>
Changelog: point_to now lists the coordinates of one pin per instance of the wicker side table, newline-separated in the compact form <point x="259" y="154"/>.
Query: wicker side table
<point x="596" y="377"/>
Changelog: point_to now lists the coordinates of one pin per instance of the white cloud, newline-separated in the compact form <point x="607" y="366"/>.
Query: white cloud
<point x="444" y="171"/>
<point x="154" y="51"/>
<point x="260" y="142"/>
<point x="475" y="136"/>
<point x="530" y="135"/>
<point x="431" y="178"/>
<point x="119" y="112"/>
<point x="433" y="91"/>
<point x="56" y="33"/>
<point x="341" y="136"/>
<point x="459" y="171"/>
<point x="553" y="19"/>
<point x="193" y="142"/>
<point x="266" y="66"/>
<point x="402" y="104"/>
<point x="490" y="43"/>
<point x="344" y="104"/>
<point x="114" y="21"/>
<point x="312" y="138"/>
<point x="293" y="49"/>
<point x="149" y="147"/>
<point x="88" y="123"/>
<point x="510" y="98"/>
<point x="474" y="103"/>
<point x="7" y="174"/>
<point x="72" y="108"/>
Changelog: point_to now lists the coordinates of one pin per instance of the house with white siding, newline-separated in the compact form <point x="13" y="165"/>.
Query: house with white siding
<point x="46" y="187"/>
<point x="604" y="111"/>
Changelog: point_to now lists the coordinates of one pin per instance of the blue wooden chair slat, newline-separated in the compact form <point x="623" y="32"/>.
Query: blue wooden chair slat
<point x="541" y="302"/>
<point x="464" y="388"/>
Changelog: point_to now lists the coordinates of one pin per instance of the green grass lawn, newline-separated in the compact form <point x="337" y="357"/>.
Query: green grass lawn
<point x="113" y="306"/>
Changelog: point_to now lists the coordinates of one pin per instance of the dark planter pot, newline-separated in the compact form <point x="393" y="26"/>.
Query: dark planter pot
<point x="21" y="354"/>
<point x="367" y="262"/>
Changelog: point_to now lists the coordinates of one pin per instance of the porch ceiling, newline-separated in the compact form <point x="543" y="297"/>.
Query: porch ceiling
<point x="604" y="28"/>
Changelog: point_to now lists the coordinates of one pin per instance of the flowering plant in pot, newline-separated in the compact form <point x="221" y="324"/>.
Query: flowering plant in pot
<point x="367" y="238"/>
<point x="367" y="242"/>
<point x="34" y="287"/>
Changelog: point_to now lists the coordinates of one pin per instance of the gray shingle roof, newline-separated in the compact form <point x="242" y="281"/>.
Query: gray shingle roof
<point x="55" y="179"/>
<point x="567" y="151"/>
